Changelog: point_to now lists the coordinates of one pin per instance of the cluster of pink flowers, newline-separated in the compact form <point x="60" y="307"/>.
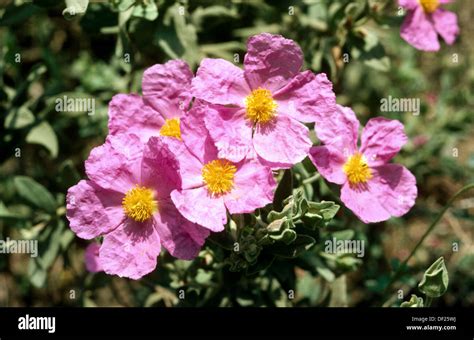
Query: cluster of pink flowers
<point x="193" y="149"/>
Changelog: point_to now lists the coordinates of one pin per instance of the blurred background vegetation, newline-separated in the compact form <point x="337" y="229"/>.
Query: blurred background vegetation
<point x="53" y="48"/>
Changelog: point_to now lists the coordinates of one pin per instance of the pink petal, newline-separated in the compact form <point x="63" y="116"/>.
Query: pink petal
<point x="271" y="61"/>
<point x="446" y="24"/>
<point x="391" y="192"/>
<point x="363" y="203"/>
<point x="196" y="136"/>
<point x="91" y="257"/>
<point x="166" y="87"/>
<point x="180" y="237"/>
<point x="381" y="140"/>
<point x="220" y="82"/>
<point x="409" y="4"/>
<point x="419" y="32"/>
<point x="329" y="162"/>
<point x="397" y="189"/>
<point x="160" y="169"/>
<point x="115" y="165"/>
<point x="308" y="98"/>
<point x="283" y="140"/>
<point x="198" y="206"/>
<point x="129" y="114"/>
<point x="254" y="186"/>
<point x="190" y="169"/>
<point x="340" y="130"/>
<point x="231" y="132"/>
<point x="131" y="251"/>
<point x="93" y="211"/>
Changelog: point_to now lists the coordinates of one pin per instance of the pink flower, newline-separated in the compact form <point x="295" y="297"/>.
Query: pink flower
<point x="91" y="258"/>
<point x="212" y="185"/>
<point x="127" y="200"/>
<point x="165" y="99"/>
<point x="371" y="187"/>
<point x="265" y="103"/>
<point x="425" y="20"/>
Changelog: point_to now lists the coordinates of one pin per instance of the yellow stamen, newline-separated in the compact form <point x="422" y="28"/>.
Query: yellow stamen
<point x="429" y="6"/>
<point x="138" y="203"/>
<point x="260" y="106"/>
<point x="171" y="128"/>
<point x="357" y="169"/>
<point x="219" y="176"/>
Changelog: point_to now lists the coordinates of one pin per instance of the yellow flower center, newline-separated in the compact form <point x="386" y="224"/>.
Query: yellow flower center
<point x="429" y="6"/>
<point x="357" y="169"/>
<point x="219" y="176"/>
<point x="138" y="203"/>
<point x="171" y="128"/>
<point x="260" y="106"/>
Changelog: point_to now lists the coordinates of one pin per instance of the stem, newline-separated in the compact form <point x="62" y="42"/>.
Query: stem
<point x="428" y="301"/>
<point x="428" y="231"/>
<point x="311" y="179"/>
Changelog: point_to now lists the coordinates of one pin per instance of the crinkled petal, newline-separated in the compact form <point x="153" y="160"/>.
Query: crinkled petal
<point x="283" y="140"/>
<point x="446" y="24"/>
<point x="196" y="136"/>
<point x="254" y="186"/>
<point x="182" y="239"/>
<point x="129" y="114"/>
<point x="271" y="61"/>
<point x="220" y="82"/>
<point x="91" y="258"/>
<point x="381" y="140"/>
<point x="198" y="206"/>
<point x="396" y="188"/>
<point x="116" y="164"/>
<point x="131" y="251"/>
<point x="391" y="192"/>
<point x="160" y="169"/>
<point x="418" y="31"/>
<point x="340" y="130"/>
<point x="363" y="203"/>
<point x="308" y="98"/>
<point x="329" y="162"/>
<point x="231" y="132"/>
<point x="93" y="211"/>
<point x="166" y="87"/>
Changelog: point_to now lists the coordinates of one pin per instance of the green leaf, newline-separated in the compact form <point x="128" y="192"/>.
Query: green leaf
<point x="415" y="301"/>
<point x="35" y="193"/>
<point x="320" y="214"/>
<point x="19" y="118"/>
<point x="36" y="274"/>
<point x="75" y="7"/>
<point x="44" y="134"/>
<point x="53" y="245"/>
<point x="18" y="14"/>
<point x="5" y="213"/>
<point x="435" y="279"/>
